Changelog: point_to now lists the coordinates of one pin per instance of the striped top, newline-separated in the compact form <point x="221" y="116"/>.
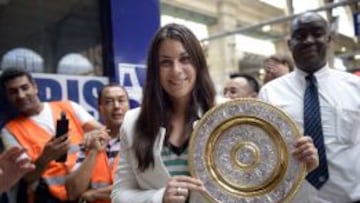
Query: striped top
<point x="175" y="159"/>
<point x="112" y="149"/>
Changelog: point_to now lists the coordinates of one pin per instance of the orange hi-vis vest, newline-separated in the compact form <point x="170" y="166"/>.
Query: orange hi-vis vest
<point x="33" y="138"/>
<point x="103" y="174"/>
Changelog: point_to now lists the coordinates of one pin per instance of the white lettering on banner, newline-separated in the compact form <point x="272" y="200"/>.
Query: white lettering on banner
<point x="80" y="89"/>
<point x="84" y="89"/>
<point x="132" y="77"/>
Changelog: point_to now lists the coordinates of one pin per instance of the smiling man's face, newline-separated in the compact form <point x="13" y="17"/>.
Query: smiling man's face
<point x="309" y="42"/>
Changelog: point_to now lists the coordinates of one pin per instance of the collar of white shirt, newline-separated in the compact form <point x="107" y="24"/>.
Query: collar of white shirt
<point x="320" y="74"/>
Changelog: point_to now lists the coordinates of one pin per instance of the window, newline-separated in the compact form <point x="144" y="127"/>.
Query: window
<point x="50" y="29"/>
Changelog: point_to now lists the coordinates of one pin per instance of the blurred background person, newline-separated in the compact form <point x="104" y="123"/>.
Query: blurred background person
<point x="277" y="65"/>
<point x="92" y="177"/>
<point x="355" y="71"/>
<point x="241" y="86"/>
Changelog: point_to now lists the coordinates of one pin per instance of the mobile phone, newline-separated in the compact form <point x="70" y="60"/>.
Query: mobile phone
<point x="62" y="127"/>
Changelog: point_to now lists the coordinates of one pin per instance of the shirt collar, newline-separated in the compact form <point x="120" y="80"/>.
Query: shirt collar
<point x="114" y="140"/>
<point x="319" y="74"/>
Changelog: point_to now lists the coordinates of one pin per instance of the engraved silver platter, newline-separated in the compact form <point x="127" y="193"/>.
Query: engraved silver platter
<point x="241" y="151"/>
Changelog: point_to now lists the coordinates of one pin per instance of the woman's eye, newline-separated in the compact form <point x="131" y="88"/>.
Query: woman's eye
<point x="186" y="59"/>
<point x="165" y="62"/>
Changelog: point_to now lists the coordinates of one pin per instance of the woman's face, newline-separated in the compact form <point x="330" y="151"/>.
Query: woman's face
<point x="177" y="73"/>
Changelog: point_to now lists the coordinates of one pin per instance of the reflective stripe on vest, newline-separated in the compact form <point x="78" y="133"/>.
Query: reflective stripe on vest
<point x="74" y="149"/>
<point x="99" y="185"/>
<point x="103" y="173"/>
<point x="59" y="180"/>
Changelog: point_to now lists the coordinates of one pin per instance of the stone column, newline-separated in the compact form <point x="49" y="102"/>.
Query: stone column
<point x="281" y="46"/>
<point x="221" y="53"/>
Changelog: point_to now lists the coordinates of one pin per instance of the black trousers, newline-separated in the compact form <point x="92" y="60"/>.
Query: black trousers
<point x="42" y="194"/>
<point x="4" y="198"/>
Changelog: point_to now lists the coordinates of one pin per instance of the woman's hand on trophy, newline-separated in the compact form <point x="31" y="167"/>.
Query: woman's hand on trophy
<point x="178" y="188"/>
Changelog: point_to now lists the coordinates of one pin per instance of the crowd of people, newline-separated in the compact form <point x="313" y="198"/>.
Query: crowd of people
<point x="141" y="155"/>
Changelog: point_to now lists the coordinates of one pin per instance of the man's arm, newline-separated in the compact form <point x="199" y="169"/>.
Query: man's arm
<point x="87" y="121"/>
<point x="77" y="182"/>
<point x="53" y="150"/>
<point x="92" y="125"/>
<point x="97" y="194"/>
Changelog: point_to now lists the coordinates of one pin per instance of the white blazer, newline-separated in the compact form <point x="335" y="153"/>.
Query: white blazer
<point x="133" y="186"/>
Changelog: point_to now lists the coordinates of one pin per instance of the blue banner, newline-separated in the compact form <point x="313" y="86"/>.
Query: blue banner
<point x="134" y="24"/>
<point x="80" y="89"/>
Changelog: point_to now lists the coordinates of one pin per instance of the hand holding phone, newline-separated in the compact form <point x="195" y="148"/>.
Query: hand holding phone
<point x="62" y="127"/>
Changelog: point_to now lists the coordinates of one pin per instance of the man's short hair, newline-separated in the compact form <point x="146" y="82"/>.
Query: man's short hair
<point x="282" y="58"/>
<point x="250" y="79"/>
<point x="110" y="85"/>
<point x="12" y="73"/>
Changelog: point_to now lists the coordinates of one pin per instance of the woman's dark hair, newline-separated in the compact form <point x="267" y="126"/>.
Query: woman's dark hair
<point x="156" y="107"/>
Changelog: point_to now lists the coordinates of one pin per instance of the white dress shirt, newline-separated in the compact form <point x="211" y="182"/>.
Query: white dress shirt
<point x="339" y="95"/>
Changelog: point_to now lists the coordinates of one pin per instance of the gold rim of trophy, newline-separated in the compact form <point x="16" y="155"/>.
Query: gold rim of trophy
<point x="230" y="187"/>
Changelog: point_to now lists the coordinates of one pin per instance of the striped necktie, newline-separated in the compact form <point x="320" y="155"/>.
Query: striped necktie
<point x="312" y="127"/>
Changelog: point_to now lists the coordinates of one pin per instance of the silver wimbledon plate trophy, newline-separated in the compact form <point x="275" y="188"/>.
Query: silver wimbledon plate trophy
<point x="241" y="151"/>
